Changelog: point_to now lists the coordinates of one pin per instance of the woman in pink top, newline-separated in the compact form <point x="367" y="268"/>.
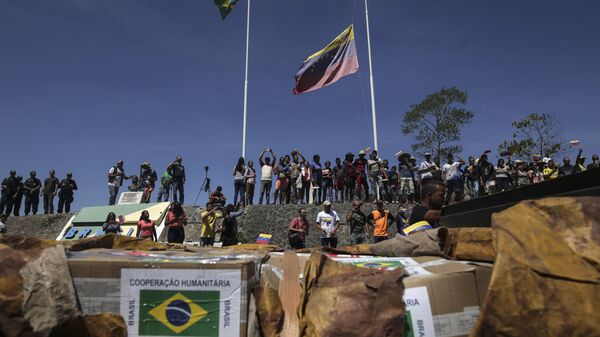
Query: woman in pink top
<point x="146" y="228"/>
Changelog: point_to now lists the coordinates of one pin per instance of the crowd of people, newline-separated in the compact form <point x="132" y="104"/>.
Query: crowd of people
<point x="15" y="192"/>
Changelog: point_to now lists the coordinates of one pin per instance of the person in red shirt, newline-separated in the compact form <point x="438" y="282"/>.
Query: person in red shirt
<point x="146" y="228"/>
<point x="176" y="219"/>
<point x="298" y="230"/>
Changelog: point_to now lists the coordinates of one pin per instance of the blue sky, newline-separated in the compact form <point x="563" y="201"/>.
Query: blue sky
<point x="84" y="83"/>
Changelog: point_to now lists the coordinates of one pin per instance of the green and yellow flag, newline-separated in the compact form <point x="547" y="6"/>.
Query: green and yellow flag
<point x="179" y="313"/>
<point x="225" y="6"/>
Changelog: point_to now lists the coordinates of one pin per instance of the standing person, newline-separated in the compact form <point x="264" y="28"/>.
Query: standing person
<point x="229" y="229"/>
<point x="360" y="168"/>
<point x="374" y="172"/>
<point x="209" y="223"/>
<point x="393" y="182"/>
<point x="50" y="189"/>
<point x="165" y="187"/>
<point x="551" y="172"/>
<point x="486" y="173"/>
<point x="595" y="163"/>
<point x="295" y="168"/>
<point x="250" y="179"/>
<point x="116" y="175"/>
<point x="327" y="174"/>
<point x="18" y="196"/>
<point x="472" y="176"/>
<point x="327" y="224"/>
<point x="317" y="179"/>
<point x="416" y="178"/>
<point x="522" y="174"/>
<point x="452" y="177"/>
<point x="32" y="188"/>
<point x="148" y="180"/>
<point x="288" y="179"/>
<point x="427" y="214"/>
<point x="567" y="169"/>
<point x="146" y="228"/>
<point x="359" y="226"/>
<point x="385" y="181"/>
<point x="239" y="189"/>
<point x="427" y="168"/>
<point x="338" y="180"/>
<point x="176" y="219"/>
<point x="306" y="182"/>
<point x="281" y="172"/>
<point x="111" y="225"/>
<point x="266" y="177"/>
<point x="298" y="230"/>
<point x="65" y="197"/>
<point x="407" y="184"/>
<point x="381" y="220"/>
<point x="9" y="188"/>
<point x="349" y="176"/>
<point x="502" y="176"/>
<point x="177" y="171"/>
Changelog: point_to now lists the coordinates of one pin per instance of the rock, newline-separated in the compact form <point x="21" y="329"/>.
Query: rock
<point x="546" y="277"/>
<point x="471" y="243"/>
<point x="105" y="325"/>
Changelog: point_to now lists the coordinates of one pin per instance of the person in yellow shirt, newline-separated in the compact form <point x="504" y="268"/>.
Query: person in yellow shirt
<point x="551" y="172"/>
<point x="208" y="226"/>
<point x="381" y="219"/>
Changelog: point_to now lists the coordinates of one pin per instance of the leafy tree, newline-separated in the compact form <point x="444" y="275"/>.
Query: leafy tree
<point x="436" y="122"/>
<point x="535" y="134"/>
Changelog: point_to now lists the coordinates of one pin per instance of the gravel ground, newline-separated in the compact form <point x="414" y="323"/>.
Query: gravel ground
<point x="42" y="226"/>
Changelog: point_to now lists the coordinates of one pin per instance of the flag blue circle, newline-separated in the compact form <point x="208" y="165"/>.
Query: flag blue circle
<point x="178" y="313"/>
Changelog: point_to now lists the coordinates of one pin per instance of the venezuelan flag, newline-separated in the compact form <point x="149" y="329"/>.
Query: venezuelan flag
<point x="329" y="64"/>
<point x="264" y="239"/>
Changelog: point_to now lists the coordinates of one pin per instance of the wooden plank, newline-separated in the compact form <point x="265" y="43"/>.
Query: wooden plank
<point x="289" y="293"/>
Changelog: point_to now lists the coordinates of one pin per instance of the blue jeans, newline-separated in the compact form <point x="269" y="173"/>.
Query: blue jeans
<point x="178" y="190"/>
<point x="239" y="189"/>
<point x="473" y="186"/>
<point x="113" y="191"/>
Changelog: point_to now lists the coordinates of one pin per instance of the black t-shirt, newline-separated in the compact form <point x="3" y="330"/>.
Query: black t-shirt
<point x="32" y="183"/>
<point x="11" y="185"/>
<point x="178" y="171"/>
<point x="417" y="214"/>
<point x="50" y="185"/>
<point x="565" y="170"/>
<point x="67" y="186"/>
<point x="230" y="229"/>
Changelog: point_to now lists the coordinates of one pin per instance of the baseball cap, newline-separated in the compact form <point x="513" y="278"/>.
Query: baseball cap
<point x="327" y="203"/>
<point x="427" y="153"/>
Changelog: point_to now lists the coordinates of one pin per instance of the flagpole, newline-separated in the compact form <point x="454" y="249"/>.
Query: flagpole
<point x="246" y="83"/>
<point x="371" y="79"/>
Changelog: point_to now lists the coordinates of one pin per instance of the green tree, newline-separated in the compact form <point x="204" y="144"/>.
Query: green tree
<point x="436" y="122"/>
<point x="535" y="134"/>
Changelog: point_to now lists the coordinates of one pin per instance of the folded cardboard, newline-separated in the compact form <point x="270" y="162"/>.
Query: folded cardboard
<point x="166" y="293"/>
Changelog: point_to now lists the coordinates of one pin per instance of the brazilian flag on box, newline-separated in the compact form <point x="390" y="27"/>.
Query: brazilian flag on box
<point x="179" y="313"/>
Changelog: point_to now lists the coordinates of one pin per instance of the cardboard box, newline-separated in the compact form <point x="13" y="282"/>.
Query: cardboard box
<point x="166" y="293"/>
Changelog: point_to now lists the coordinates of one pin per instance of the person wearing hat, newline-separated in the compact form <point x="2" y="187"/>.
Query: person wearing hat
<point x="9" y="188"/>
<point x="359" y="226"/>
<point x="595" y="163"/>
<point x="65" y="197"/>
<point x="381" y="219"/>
<point x="50" y="189"/>
<point x="327" y="224"/>
<point x="18" y="196"/>
<point x="427" y="167"/>
<point x="360" y="168"/>
<point x="148" y="180"/>
<point x="32" y="188"/>
<point x="298" y="230"/>
<point x="116" y="174"/>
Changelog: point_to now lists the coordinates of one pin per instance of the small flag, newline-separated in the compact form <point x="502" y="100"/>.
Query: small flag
<point x="264" y="239"/>
<point x="225" y="6"/>
<point x="574" y="143"/>
<point x="329" y="64"/>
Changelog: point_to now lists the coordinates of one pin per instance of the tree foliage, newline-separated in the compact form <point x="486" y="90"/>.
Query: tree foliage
<point x="436" y="122"/>
<point x="536" y="134"/>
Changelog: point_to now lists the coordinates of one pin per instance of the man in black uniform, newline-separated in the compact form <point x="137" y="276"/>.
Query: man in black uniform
<point x="9" y="187"/>
<point x="18" y="196"/>
<point x="177" y="171"/>
<point x="65" y="197"/>
<point x="50" y="188"/>
<point x="32" y="193"/>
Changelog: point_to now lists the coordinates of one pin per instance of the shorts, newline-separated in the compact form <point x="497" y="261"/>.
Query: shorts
<point x="407" y="186"/>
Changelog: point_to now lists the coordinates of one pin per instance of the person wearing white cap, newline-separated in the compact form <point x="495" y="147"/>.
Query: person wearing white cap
<point x="327" y="225"/>
<point x="427" y="167"/>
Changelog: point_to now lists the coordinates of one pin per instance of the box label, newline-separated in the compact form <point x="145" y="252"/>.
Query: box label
<point x="418" y="313"/>
<point x="181" y="302"/>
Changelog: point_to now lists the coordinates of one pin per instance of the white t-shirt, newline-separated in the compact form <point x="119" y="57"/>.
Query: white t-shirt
<point x="450" y="171"/>
<point x="239" y="175"/>
<point x="327" y="221"/>
<point x="425" y="165"/>
<point x="118" y="180"/>
<point x="266" y="172"/>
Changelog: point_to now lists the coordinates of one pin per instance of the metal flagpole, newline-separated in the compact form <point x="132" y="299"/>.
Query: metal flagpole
<point x="371" y="79"/>
<point x="246" y="83"/>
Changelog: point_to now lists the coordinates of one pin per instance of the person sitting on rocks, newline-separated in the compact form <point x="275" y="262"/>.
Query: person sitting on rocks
<point x="217" y="198"/>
